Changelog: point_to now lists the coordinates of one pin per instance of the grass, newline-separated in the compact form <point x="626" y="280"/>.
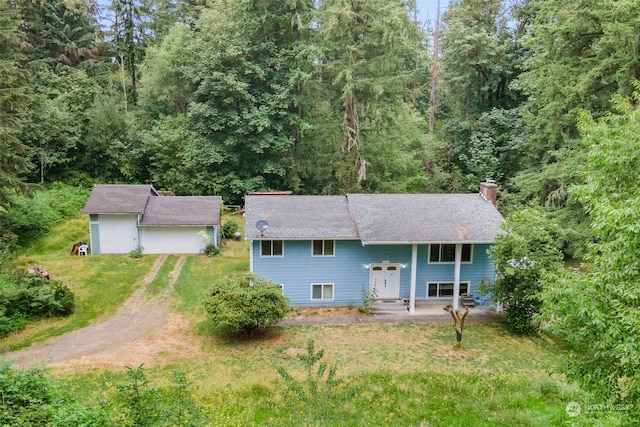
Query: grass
<point x="163" y="277"/>
<point x="404" y="374"/>
<point x="101" y="284"/>
<point x="199" y="273"/>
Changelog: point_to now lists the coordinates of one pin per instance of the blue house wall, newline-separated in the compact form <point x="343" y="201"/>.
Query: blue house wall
<point x="348" y="270"/>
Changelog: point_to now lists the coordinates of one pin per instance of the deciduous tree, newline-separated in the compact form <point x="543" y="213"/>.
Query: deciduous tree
<point x="596" y="309"/>
<point x="522" y="257"/>
<point x="242" y="105"/>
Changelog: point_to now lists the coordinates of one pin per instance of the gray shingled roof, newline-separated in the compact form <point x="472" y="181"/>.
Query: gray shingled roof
<point x="376" y="218"/>
<point x="424" y="218"/>
<point x="299" y="217"/>
<point x="182" y="210"/>
<point x="118" y="199"/>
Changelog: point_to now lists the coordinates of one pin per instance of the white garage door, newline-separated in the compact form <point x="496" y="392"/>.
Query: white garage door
<point x="172" y="240"/>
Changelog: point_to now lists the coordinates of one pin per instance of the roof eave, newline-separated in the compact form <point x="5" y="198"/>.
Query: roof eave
<point x="473" y="242"/>
<point x="110" y="213"/>
<point x="298" y="238"/>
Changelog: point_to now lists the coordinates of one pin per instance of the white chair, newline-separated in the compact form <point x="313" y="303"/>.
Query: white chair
<point x="82" y="249"/>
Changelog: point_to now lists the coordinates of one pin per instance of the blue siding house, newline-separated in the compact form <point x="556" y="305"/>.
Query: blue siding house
<point x="324" y="250"/>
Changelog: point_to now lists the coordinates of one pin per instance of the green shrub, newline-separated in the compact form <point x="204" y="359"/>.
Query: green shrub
<point x="368" y="300"/>
<point x="212" y="250"/>
<point x="137" y="402"/>
<point x="29" y="296"/>
<point x="522" y="257"/>
<point x="26" y="397"/>
<point x="245" y="304"/>
<point x="229" y="228"/>
<point x="10" y="324"/>
<point x="319" y="394"/>
<point x="36" y="297"/>
<point x="137" y="252"/>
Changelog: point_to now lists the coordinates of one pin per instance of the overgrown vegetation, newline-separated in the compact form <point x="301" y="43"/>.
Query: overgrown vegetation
<point x="137" y="402"/>
<point x="595" y="308"/>
<point x="26" y="218"/>
<point x="523" y="256"/>
<point x="26" y="397"/>
<point x="317" y="396"/>
<point x="29" y="297"/>
<point x="245" y="304"/>
<point x="229" y="228"/>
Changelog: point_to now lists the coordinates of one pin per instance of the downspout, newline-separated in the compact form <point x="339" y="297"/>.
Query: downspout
<point x="139" y="233"/>
<point x="456" y="276"/>
<point x="414" y="267"/>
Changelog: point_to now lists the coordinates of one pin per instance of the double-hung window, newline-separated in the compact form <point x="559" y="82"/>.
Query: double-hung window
<point x="322" y="291"/>
<point x="271" y="248"/>
<point x="322" y="247"/>
<point x="446" y="253"/>
<point x="445" y="289"/>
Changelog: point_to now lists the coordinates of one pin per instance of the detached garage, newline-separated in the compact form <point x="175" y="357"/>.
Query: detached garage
<point x="123" y="217"/>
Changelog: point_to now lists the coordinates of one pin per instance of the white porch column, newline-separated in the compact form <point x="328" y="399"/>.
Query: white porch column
<point x="456" y="276"/>
<point x="414" y="268"/>
<point x="251" y="255"/>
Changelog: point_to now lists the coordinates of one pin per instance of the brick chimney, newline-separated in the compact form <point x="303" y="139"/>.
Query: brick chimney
<point x="489" y="191"/>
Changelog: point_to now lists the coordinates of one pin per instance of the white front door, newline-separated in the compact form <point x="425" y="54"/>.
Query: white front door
<point x="385" y="278"/>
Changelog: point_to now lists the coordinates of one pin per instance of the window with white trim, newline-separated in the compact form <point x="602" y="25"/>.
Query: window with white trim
<point x="322" y="247"/>
<point x="446" y="253"/>
<point x="322" y="291"/>
<point x="444" y="289"/>
<point x="271" y="248"/>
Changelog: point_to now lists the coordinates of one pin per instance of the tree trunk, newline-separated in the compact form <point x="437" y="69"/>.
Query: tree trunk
<point x="458" y="320"/>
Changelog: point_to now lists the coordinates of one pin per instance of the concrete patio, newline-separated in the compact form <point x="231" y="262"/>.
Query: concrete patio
<point x="395" y="311"/>
<point x="430" y="308"/>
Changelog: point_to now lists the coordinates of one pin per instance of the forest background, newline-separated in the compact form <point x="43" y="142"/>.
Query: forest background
<point x="226" y="97"/>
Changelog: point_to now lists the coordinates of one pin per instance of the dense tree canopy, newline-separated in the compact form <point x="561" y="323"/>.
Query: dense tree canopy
<point x="13" y="99"/>
<point x="225" y="97"/>
<point x="596" y="310"/>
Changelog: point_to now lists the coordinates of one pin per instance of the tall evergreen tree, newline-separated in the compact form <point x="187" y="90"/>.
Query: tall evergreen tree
<point x="580" y="53"/>
<point x="13" y="97"/>
<point x="477" y="55"/>
<point x="480" y="110"/>
<point x="61" y="34"/>
<point x="368" y="63"/>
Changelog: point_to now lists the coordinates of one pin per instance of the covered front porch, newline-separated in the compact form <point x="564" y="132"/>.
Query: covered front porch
<point x="429" y="308"/>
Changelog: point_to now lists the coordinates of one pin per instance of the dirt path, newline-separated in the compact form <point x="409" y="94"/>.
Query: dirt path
<point x="140" y="330"/>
